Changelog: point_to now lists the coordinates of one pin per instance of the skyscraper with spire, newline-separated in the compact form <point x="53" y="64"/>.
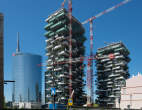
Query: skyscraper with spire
<point x="18" y="46"/>
<point x="27" y="77"/>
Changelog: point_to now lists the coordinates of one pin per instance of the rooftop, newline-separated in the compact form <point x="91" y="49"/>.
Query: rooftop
<point x="65" y="11"/>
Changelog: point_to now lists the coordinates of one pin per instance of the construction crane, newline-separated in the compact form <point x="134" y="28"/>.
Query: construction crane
<point x="70" y="46"/>
<point x="90" y="75"/>
<point x="70" y="42"/>
<point x="63" y="4"/>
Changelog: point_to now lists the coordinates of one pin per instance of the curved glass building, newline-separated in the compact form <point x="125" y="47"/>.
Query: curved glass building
<point x="27" y="76"/>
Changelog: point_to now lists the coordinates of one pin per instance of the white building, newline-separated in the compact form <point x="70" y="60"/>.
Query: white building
<point x="131" y="95"/>
<point x="26" y="105"/>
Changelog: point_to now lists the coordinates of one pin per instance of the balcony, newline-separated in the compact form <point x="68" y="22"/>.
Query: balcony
<point x="61" y="83"/>
<point x="49" y="102"/>
<point x="108" y="69"/>
<point x="75" y="50"/>
<point x="104" y="60"/>
<point x="121" y="56"/>
<point x="116" y="75"/>
<point x="56" y="58"/>
<point x="73" y="41"/>
<point x="111" y="96"/>
<point x="78" y="80"/>
<point x="57" y="25"/>
<point x="62" y="30"/>
<point x="109" y="86"/>
<point x="121" y="63"/>
<point x="48" y="89"/>
<point x="48" y="26"/>
<point x="62" y="76"/>
<point x="58" y="69"/>
<point x="107" y="79"/>
<point x="50" y="46"/>
<point x="116" y="53"/>
<point x="50" y="64"/>
<point x="63" y="53"/>
<point x="56" y="80"/>
<point x="57" y="47"/>
<point x="47" y="54"/>
<point x="109" y="62"/>
<point x="48" y="96"/>
<point x="48" y="40"/>
<point x="47" y="33"/>
<point x="66" y="87"/>
<point x="48" y="75"/>
<point x="61" y="59"/>
<point x="63" y="98"/>
<point x="120" y="78"/>
<point x="48" y="82"/>
<point x="110" y="82"/>
<point x="102" y="57"/>
<point x="120" y="71"/>
<point x="49" y="60"/>
<point x="112" y="75"/>
<point x="101" y="81"/>
<point x="58" y="91"/>
<point x="108" y="66"/>
<point x="115" y="68"/>
<point x="50" y="67"/>
<point x="60" y="38"/>
<point x="52" y="41"/>
<point x="116" y="89"/>
<point x="65" y="43"/>
<point x="66" y="65"/>
<point x="110" y="103"/>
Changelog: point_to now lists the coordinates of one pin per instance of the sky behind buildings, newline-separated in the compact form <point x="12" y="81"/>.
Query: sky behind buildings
<point x="27" y="17"/>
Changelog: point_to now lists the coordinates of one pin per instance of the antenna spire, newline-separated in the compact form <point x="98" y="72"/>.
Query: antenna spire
<point x="18" y="46"/>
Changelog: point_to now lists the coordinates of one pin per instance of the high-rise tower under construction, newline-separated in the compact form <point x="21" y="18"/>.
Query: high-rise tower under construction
<point x="57" y="51"/>
<point x="112" y="71"/>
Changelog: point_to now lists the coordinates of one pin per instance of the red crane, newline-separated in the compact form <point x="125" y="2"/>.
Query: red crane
<point x="63" y="3"/>
<point x="70" y="43"/>
<point x="70" y="46"/>
<point x="90" y="85"/>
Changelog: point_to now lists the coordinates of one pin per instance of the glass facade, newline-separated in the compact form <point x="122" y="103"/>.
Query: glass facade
<point x="27" y="76"/>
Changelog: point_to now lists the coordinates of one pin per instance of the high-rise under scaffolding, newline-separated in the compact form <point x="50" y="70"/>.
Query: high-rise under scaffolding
<point x="57" y="50"/>
<point x="112" y="71"/>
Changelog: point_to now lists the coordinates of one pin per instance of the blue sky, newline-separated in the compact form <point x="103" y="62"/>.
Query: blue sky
<point x="27" y="17"/>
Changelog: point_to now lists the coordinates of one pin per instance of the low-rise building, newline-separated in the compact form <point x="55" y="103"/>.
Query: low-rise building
<point x="131" y="95"/>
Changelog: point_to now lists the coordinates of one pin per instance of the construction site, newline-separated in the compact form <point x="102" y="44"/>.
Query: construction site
<point x="65" y="78"/>
<point x="71" y="54"/>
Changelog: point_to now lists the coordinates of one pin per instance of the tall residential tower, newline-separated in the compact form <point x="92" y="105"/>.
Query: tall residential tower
<point x="57" y="50"/>
<point x="112" y="71"/>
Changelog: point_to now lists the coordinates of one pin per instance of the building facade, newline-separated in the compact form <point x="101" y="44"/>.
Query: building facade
<point x="1" y="63"/>
<point x="131" y="94"/>
<point x="112" y="71"/>
<point x="27" y="77"/>
<point x="57" y="51"/>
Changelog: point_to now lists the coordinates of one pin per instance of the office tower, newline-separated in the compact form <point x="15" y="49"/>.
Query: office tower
<point x="112" y="71"/>
<point x="57" y="51"/>
<point x="27" y="77"/>
<point x="1" y="63"/>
